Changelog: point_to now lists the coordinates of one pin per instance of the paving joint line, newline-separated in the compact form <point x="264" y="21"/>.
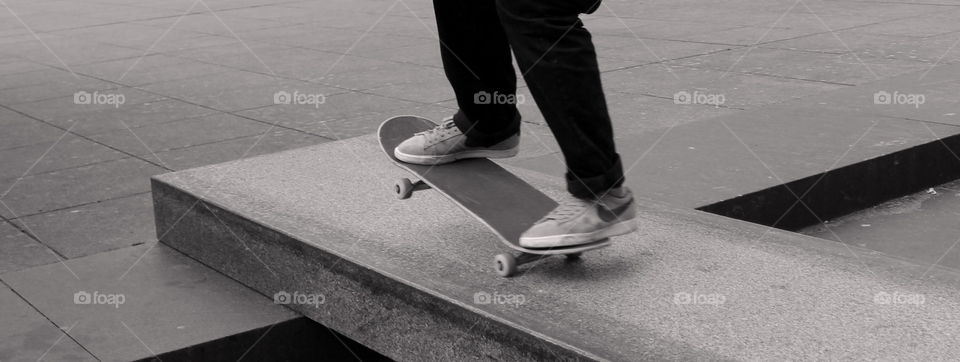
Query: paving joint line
<point x="79" y="205"/>
<point x="36" y="238"/>
<point x="84" y="137"/>
<point x="54" y="324"/>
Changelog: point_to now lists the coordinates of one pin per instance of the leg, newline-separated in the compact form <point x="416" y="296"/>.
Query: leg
<point x="476" y="59"/>
<point x="557" y="59"/>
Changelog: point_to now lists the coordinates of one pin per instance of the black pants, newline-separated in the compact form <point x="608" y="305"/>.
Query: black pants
<point x="556" y="56"/>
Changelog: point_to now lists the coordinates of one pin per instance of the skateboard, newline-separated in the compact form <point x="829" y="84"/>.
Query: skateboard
<point x="499" y="199"/>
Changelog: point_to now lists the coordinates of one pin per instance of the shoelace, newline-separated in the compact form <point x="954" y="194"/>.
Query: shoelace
<point x="441" y="131"/>
<point x="568" y="208"/>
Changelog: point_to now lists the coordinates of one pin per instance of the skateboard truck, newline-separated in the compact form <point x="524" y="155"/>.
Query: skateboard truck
<point x="405" y="188"/>
<point x="506" y="264"/>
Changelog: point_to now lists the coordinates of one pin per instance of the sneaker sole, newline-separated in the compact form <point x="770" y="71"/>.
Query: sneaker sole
<point x="569" y="240"/>
<point x="438" y="160"/>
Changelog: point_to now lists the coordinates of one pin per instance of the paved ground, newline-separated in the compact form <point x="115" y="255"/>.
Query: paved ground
<point x="95" y="96"/>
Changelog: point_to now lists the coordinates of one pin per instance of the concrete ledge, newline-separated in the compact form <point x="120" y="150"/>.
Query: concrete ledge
<point x="400" y="277"/>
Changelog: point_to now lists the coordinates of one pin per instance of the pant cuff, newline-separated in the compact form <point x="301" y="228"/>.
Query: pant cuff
<point x="591" y="187"/>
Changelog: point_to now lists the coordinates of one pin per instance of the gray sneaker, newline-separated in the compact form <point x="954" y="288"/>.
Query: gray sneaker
<point x="577" y="221"/>
<point x="445" y="143"/>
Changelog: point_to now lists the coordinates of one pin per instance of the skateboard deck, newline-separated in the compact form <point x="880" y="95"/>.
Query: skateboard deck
<point x="499" y="199"/>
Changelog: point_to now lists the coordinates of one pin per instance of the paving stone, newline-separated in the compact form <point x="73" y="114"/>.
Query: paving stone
<point x="921" y="227"/>
<point x="176" y="5"/>
<point x="611" y="30"/>
<point x="40" y="76"/>
<point x="394" y="47"/>
<point x="168" y="300"/>
<point x="75" y="186"/>
<point x="149" y="69"/>
<point x="426" y="54"/>
<point x="341" y="116"/>
<point x="748" y="35"/>
<point x="226" y="25"/>
<point x="841" y="42"/>
<point x="52" y="90"/>
<point x="364" y="73"/>
<point x="233" y="91"/>
<point x="931" y="51"/>
<point x="28" y="336"/>
<point x="939" y="88"/>
<point x="233" y="55"/>
<point x="72" y="51"/>
<point x="31" y="94"/>
<point x="150" y="139"/>
<point x="62" y="109"/>
<point x="914" y="26"/>
<point x="306" y="64"/>
<point x="19" y="66"/>
<point x="290" y="12"/>
<point x="95" y="228"/>
<point x="47" y="21"/>
<point x="19" y="251"/>
<point x="738" y="90"/>
<point x="187" y="70"/>
<point x="21" y="131"/>
<point x="130" y="35"/>
<point x="71" y="151"/>
<point x="846" y="13"/>
<point x="425" y="85"/>
<point x="91" y="121"/>
<point x="653" y="50"/>
<point x="634" y="115"/>
<point x="314" y="35"/>
<point x="799" y="65"/>
<point x="401" y="22"/>
<point x="12" y="32"/>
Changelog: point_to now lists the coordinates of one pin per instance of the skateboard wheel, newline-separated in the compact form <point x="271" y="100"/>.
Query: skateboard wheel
<point x="403" y="188"/>
<point x="574" y="256"/>
<point x="505" y="264"/>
